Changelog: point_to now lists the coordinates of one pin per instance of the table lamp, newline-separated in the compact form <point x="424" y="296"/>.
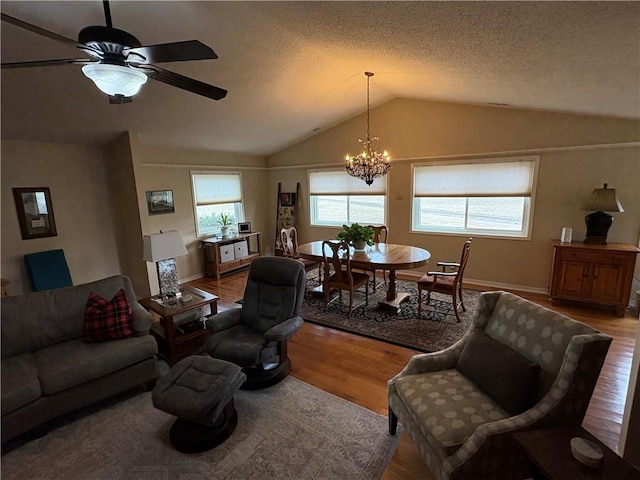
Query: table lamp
<point x="598" y="223"/>
<point x="161" y="248"/>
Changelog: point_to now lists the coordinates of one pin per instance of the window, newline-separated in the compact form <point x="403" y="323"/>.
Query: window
<point x="483" y="197"/>
<point x="336" y="198"/>
<point x="213" y="194"/>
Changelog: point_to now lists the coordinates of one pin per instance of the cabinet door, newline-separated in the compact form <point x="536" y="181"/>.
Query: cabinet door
<point x="573" y="279"/>
<point x="210" y="262"/>
<point x="607" y="282"/>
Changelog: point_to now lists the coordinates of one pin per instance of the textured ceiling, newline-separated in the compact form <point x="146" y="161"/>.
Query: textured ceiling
<point x="292" y="67"/>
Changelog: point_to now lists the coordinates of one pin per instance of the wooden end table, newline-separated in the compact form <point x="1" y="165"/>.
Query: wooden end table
<point x="549" y="452"/>
<point x="173" y="344"/>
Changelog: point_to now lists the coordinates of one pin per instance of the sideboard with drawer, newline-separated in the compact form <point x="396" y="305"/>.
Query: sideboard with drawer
<point x="225" y="255"/>
<point x="596" y="274"/>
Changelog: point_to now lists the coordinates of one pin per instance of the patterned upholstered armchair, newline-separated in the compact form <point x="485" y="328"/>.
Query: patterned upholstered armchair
<point x="460" y="405"/>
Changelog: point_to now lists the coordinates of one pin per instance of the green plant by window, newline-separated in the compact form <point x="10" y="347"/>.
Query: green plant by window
<point x="225" y="220"/>
<point x="356" y="233"/>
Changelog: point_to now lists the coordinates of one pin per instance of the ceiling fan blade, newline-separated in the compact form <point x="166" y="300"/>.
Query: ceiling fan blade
<point x="185" y="83"/>
<point x="171" y="52"/>
<point x="40" y="31"/>
<point x="47" y="63"/>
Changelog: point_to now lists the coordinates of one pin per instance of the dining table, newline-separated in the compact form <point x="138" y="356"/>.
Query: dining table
<point x="380" y="256"/>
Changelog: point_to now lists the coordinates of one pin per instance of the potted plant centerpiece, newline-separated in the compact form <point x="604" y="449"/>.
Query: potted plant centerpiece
<point x="356" y="235"/>
<point x="225" y="220"/>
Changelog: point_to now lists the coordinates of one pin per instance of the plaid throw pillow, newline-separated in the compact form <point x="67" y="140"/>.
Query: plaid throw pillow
<point x="107" y="320"/>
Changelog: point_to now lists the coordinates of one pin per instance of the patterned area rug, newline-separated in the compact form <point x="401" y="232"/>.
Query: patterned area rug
<point x="289" y="431"/>
<point x="435" y="330"/>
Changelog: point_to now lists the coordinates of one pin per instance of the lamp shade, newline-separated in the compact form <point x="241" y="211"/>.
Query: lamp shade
<point x="603" y="200"/>
<point x="163" y="245"/>
<point x="115" y="79"/>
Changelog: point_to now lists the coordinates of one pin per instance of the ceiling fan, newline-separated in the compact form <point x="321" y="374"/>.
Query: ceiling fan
<point x="119" y="64"/>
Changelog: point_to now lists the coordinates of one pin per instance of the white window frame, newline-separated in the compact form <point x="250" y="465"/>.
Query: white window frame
<point x="232" y="197"/>
<point x="342" y="184"/>
<point x="472" y="190"/>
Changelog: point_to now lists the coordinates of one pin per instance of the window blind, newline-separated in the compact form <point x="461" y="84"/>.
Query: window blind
<point x="494" y="179"/>
<point x="338" y="182"/>
<point x="212" y="189"/>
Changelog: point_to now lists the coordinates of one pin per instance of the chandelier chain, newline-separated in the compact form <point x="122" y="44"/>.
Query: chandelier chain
<point x="368" y="78"/>
<point x="370" y="164"/>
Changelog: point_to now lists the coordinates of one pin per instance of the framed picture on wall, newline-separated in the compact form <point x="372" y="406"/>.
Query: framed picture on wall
<point x="35" y="212"/>
<point x="160" y="201"/>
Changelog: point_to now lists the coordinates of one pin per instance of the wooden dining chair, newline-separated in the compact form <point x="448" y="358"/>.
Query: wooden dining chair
<point x="447" y="281"/>
<point x="338" y="274"/>
<point x="289" y="241"/>
<point x="380" y="233"/>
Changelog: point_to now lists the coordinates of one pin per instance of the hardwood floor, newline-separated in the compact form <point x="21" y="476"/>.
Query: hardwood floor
<point x="357" y="368"/>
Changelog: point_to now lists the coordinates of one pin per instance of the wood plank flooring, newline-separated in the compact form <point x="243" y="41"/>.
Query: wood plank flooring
<point x="357" y="368"/>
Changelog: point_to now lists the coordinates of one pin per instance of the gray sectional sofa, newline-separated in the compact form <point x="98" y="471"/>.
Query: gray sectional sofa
<point x="47" y="368"/>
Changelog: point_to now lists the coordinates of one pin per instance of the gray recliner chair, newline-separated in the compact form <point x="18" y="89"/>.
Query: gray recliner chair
<point x="255" y="336"/>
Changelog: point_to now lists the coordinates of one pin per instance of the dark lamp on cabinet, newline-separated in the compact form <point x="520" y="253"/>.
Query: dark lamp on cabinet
<point x="598" y="223"/>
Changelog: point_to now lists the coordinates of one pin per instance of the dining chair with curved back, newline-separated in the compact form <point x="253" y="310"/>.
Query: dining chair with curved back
<point x="342" y="277"/>
<point x="380" y="233"/>
<point x="289" y="241"/>
<point x="447" y="281"/>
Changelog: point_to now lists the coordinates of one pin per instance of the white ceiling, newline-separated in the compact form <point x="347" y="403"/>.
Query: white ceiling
<point x="292" y="67"/>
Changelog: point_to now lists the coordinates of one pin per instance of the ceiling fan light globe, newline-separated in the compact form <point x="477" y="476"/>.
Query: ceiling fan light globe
<point x="115" y="79"/>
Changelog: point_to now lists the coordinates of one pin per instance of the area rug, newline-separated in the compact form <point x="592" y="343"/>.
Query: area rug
<point x="436" y="329"/>
<point x="289" y="431"/>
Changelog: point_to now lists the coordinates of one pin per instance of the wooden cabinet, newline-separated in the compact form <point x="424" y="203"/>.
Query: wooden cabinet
<point x="224" y="255"/>
<point x="599" y="274"/>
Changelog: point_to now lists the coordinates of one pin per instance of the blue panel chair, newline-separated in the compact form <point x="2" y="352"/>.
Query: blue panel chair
<point x="48" y="270"/>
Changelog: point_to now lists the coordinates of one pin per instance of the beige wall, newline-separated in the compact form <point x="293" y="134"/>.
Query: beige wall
<point x="126" y="215"/>
<point x="577" y="153"/>
<point x="169" y="169"/>
<point x="77" y="179"/>
<point x="101" y="213"/>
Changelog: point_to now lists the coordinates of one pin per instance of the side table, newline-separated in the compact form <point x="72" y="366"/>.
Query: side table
<point x="549" y="452"/>
<point x="173" y="343"/>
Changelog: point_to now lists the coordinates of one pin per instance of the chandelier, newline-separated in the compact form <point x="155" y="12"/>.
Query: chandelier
<point x="370" y="164"/>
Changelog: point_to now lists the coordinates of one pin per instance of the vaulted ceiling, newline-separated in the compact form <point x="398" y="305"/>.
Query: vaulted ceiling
<point x="294" y="67"/>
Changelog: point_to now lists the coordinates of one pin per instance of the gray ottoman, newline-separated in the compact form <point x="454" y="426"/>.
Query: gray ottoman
<point x="199" y="391"/>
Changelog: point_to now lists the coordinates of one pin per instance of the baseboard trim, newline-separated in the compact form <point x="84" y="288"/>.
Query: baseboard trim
<point x="470" y="282"/>
<point x="409" y="275"/>
<point x="191" y="278"/>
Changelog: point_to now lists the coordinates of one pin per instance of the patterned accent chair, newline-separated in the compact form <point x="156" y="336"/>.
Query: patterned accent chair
<point x="462" y="431"/>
